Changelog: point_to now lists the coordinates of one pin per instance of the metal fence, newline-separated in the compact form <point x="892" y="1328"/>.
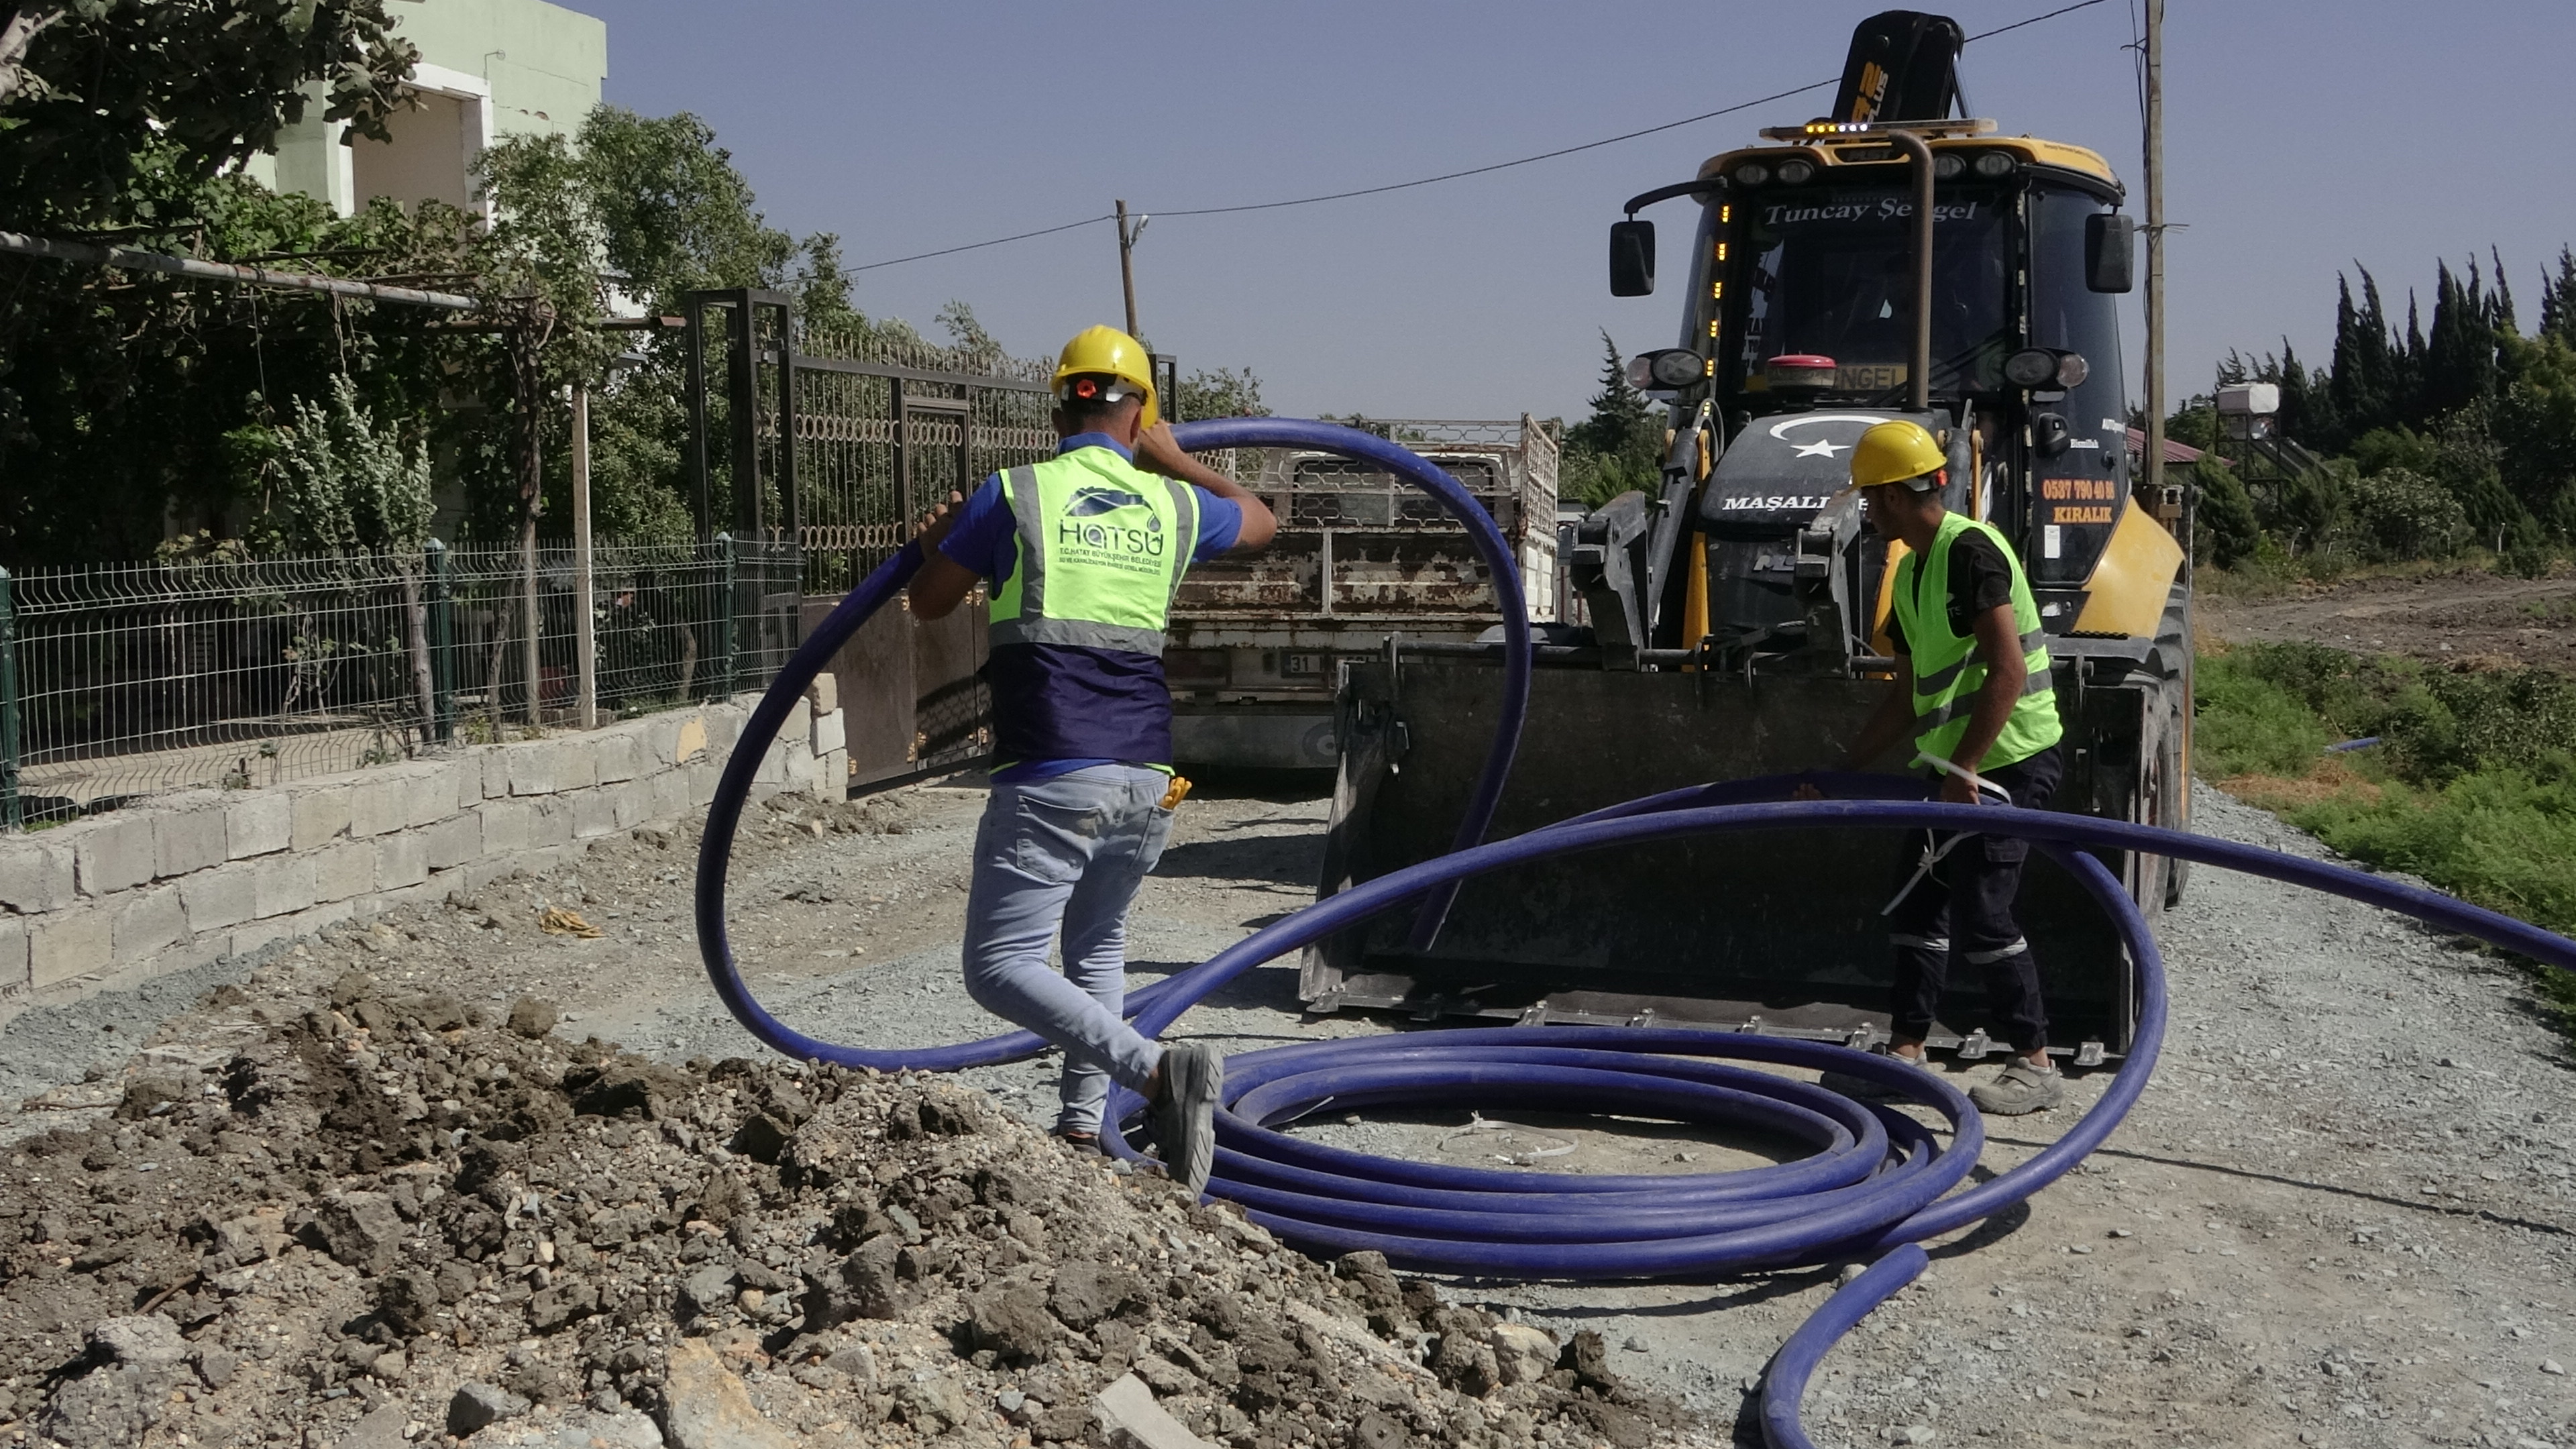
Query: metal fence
<point x="123" y="681"/>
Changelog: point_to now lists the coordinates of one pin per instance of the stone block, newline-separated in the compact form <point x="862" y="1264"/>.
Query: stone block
<point x="670" y="795"/>
<point x="455" y="840"/>
<point x="703" y="779"/>
<point x="632" y="801"/>
<point x="218" y="898"/>
<point x="799" y="724"/>
<point x="532" y="768"/>
<point x="321" y="814"/>
<point x="1129" y="1416"/>
<point x="36" y="876"/>
<point x="187" y="837"/>
<point x="576" y="768"/>
<point x="432" y="794"/>
<point x="13" y="954"/>
<point x="114" y="855"/>
<point x="379" y="803"/>
<point x="831" y="732"/>
<point x="401" y="860"/>
<point x="68" y="943"/>
<point x="824" y="694"/>
<point x="832" y="775"/>
<point x="508" y="825"/>
<point x="614" y="758"/>
<point x="724" y="726"/>
<point x="279" y="887"/>
<point x="554" y="822"/>
<point x="594" y="813"/>
<point x="344" y="869"/>
<point x="494" y="761"/>
<point x="146" y="921"/>
<point x="257" y="822"/>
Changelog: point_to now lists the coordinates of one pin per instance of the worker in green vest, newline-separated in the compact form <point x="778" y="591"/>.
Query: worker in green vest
<point x="1972" y="691"/>
<point x="1084" y="552"/>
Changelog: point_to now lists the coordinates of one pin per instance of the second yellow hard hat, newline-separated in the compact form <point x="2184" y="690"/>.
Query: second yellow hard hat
<point x="1108" y="352"/>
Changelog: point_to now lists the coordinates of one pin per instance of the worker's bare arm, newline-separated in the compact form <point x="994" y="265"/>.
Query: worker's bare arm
<point x="1999" y="645"/>
<point x="1157" y="452"/>
<point x="943" y="582"/>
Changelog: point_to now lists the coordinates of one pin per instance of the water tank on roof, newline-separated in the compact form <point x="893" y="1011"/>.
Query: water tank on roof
<point x="2250" y="399"/>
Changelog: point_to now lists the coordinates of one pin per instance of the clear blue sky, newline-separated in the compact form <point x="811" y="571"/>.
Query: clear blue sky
<point x="2300" y="137"/>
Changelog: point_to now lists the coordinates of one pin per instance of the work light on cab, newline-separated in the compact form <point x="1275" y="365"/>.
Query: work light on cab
<point x="1665" y="369"/>
<point x="2036" y="367"/>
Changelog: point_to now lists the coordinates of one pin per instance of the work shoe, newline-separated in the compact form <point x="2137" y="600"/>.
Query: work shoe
<point x="1185" y="1117"/>
<point x="1862" y="1089"/>
<point x="2019" y="1088"/>
<point x="1085" y="1144"/>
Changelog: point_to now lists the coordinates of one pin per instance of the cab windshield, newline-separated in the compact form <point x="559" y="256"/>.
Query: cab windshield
<point x="1829" y="271"/>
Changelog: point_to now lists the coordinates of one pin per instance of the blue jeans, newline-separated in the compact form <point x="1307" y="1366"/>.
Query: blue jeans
<point x="1068" y="851"/>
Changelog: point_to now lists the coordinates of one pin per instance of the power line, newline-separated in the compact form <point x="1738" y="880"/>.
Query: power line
<point x="975" y="246"/>
<point x="1471" y="171"/>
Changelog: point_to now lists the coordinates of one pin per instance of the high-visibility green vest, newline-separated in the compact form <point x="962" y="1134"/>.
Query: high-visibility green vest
<point x="1102" y="547"/>
<point x="1947" y="673"/>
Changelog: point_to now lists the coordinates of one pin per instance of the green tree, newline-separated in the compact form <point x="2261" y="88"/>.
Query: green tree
<point x="104" y="102"/>
<point x="1620" y="447"/>
<point x="2229" y="531"/>
<point x="1220" y="392"/>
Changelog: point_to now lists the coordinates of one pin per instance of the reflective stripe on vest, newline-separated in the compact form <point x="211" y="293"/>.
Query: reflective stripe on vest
<point x="1947" y="672"/>
<point x="1101" y="547"/>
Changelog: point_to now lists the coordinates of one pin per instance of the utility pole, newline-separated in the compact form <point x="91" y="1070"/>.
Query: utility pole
<point x="584" y="630"/>
<point x="2156" y="258"/>
<point x="1127" y="262"/>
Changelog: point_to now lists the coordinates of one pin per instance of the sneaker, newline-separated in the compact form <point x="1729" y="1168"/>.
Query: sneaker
<point x="1083" y="1144"/>
<point x="2019" y="1088"/>
<point x="1185" y="1118"/>
<point x="1863" y="1089"/>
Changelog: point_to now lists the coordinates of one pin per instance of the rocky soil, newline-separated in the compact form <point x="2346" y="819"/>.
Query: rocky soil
<point x="2344" y="1214"/>
<point x="384" y="1216"/>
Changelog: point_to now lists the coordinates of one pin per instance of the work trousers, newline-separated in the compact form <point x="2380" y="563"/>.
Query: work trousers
<point x="1964" y="908"/>
<point x="1068" y="853"/>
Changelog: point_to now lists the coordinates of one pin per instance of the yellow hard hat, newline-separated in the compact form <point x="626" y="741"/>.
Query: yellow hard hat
<point x="1897" y="452"/>
<point x="1107" y="352"/>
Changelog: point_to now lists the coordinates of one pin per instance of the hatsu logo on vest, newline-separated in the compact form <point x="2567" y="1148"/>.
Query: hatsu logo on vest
<point x="1095" y="500"/>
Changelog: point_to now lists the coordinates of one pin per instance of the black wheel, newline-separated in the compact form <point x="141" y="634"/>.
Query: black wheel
<point x="2174" y="780"/>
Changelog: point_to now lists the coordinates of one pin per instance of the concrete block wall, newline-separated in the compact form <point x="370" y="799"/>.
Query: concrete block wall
<point x="181" y="880"/>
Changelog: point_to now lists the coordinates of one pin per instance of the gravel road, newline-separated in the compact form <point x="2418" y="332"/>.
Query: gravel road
<point x="2342" y="1215"/>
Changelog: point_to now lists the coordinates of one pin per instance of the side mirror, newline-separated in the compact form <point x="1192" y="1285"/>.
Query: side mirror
<point x="2110" y="249"/>
<point x="1632" y="258"/>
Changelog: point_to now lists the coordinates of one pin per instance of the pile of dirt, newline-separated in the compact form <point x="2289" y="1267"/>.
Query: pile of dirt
<point x="391" y="1218"/>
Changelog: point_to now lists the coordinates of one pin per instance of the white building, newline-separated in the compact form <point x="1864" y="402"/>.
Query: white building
<point x="487" y="69"/>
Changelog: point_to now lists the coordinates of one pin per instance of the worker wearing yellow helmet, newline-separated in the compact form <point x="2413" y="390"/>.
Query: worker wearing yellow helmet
<point x="1972" y="691"/>
<point x="1084" y="552"/>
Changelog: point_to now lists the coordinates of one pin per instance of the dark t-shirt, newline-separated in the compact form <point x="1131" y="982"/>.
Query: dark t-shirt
<point x="1980" y="579"/>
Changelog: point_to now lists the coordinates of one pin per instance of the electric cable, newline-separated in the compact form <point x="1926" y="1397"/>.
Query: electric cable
<point x="1876" y="1182"/>
<point x="1454" y="175"/>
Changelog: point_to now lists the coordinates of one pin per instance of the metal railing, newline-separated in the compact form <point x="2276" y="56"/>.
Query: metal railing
<point x="130" y="680"/>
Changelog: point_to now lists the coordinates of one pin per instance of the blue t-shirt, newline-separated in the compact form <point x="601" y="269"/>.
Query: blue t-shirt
<point x="1050" y="699"/>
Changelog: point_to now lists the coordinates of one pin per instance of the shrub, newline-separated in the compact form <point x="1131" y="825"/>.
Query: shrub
<point x="2399" y="513"/>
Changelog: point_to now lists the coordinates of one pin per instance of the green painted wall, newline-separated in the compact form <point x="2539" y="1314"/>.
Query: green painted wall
<point x="545" y="63"/>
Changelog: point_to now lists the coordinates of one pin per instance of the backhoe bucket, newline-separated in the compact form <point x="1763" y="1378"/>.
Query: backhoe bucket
<point x="1771" y="931"/>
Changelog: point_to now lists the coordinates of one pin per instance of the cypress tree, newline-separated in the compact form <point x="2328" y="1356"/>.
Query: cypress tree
<point x="2458" y="365"/>
<point x="2558" y="299"/>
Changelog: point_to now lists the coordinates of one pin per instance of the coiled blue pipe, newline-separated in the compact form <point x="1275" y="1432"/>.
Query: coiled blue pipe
<point x="1877" y="1182"/>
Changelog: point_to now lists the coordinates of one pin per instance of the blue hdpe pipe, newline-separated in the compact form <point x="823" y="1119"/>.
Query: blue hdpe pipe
<point x="1876" y="1183"/>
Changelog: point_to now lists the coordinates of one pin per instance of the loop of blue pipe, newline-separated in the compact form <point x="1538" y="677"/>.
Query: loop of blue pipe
<point x="1877" y="1182"/>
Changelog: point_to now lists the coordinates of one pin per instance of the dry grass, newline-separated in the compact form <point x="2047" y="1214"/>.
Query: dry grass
<point x="2330" y="780"/>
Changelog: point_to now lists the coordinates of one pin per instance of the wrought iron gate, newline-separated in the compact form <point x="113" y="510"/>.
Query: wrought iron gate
<point x="837" y="439"/>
